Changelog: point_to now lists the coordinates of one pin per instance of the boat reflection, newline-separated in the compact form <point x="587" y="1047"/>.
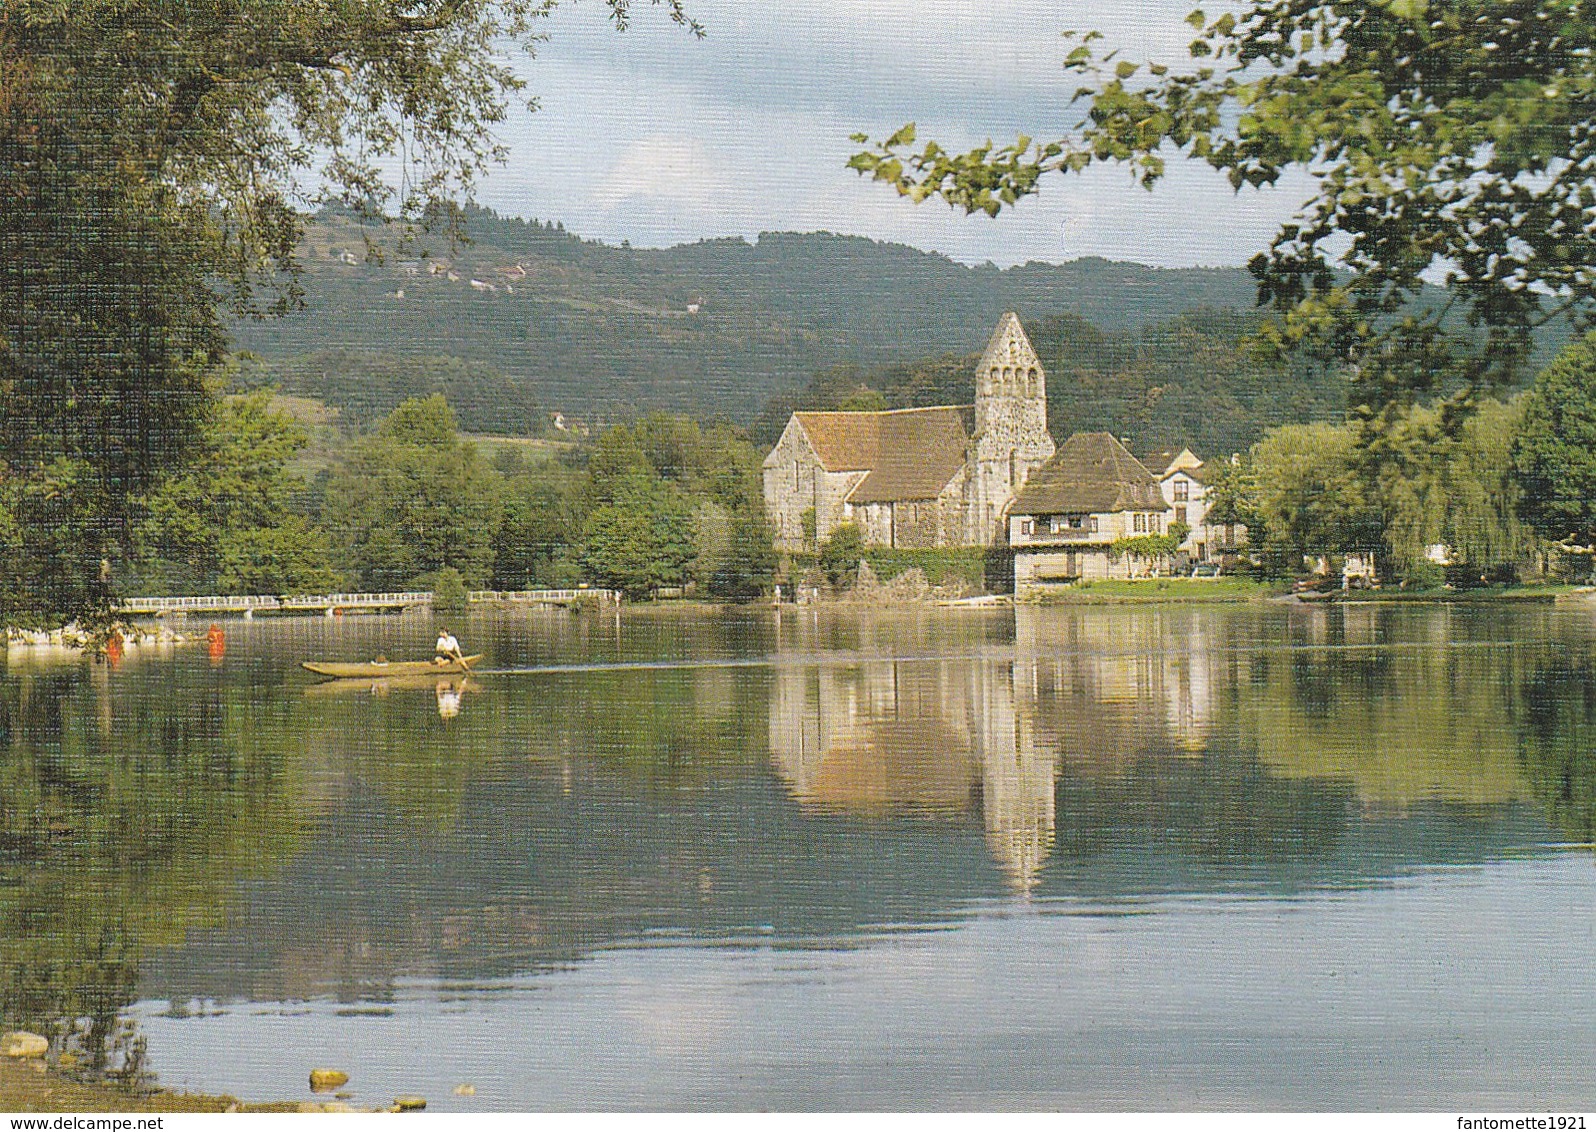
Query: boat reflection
<point x="449" y="692"/>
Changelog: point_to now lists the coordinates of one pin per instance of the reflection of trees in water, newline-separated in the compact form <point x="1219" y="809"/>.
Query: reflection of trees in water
<point x="1220" y="810"/>
<point x="1557" y="745"/>
<point x="1111" y="753"/>
<point x="1410" y="709"/>
<point x="123" y="825"/>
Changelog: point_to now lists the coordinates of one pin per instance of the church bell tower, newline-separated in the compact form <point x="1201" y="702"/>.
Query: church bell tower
<point x="1011" y="438"/>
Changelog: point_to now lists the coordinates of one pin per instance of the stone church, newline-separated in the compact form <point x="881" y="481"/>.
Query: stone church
<point x="940" y="476"/>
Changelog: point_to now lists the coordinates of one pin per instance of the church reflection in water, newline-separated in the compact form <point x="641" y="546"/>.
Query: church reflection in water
<point x="991" y="731"/>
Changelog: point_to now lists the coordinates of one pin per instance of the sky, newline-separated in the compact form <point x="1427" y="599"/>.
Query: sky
<point x="657" y="138"/>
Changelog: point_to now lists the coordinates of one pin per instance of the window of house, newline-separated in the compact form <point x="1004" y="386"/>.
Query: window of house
<point x="1180" y="510"/>
<point x="1027" y="526"/>
<point x="1182" y="491"/>
<point x="1139" y="523"/>
<point x="1094" y="524"/>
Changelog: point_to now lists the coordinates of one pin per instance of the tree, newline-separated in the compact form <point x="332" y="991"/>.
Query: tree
<point x="642" y="540"/>
<point x="536" y="541"/>
<point x="152" y="158"/>
<point x="1309" y="498"/>
<point x="1555" y="456"/>
<point x="671" y="462"/>
<point x="1447" y="136"/>
<point x="1437" y="482"/>
<point x="232" y="520"/>
<point x="415" y="499"/>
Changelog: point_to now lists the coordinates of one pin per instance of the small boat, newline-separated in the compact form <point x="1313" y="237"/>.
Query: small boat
<point x="371" y="668"/>
<point x="382" y="685"/>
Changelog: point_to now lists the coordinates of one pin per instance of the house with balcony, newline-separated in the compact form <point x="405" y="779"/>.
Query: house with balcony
<point x="1065" y="522"/>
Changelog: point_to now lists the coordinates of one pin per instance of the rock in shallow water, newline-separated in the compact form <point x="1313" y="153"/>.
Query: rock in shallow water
<point x="20" y="1043"/>
<point x="410" y="1104"/>
<point x="326" y="1080"/>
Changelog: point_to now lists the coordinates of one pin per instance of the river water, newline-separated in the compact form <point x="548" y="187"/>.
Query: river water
<point x="1100" y="858"/>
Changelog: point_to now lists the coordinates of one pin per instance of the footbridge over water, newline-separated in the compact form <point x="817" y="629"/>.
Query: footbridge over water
<point x="332" y="603"/>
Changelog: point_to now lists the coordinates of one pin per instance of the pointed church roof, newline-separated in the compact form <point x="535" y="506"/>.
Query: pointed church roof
<point x="1092" y="472"/>
<point x="1008" y="346"/>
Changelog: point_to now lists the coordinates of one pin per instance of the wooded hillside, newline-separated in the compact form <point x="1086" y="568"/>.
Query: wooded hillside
<point x="595" y="330"/>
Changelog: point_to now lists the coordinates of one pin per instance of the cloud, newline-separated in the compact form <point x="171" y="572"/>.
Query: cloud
<point x="653" y="137"/>
<point x="663" y="167"/>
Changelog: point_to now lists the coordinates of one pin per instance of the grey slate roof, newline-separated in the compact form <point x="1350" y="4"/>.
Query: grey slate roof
<point x="1092" y="472"/>
<point x="908" y="453"/>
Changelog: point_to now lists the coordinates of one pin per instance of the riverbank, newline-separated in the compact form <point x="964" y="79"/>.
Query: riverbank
<point x="1484" y="595"/>
<point x="1182" y="590"/>
<point x="31" y="1086"/>
<point x="1216" y="590"/>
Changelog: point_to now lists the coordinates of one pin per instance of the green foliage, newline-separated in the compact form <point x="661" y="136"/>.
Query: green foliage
<point x="150" y="158"/>
<point x="750" y="568"/>
<point x="1446" y="134"/>
<point x="810" y="525"/>
<point x="1441" y="477"/>
<point x="602" y="332"/>
<point x="1143" y="546"/>
<point x="232" y="521"/>
<point x="536" y="542"/>
<point x="1427" y="475"/>
<point x="841" y="552"/>
<point x="413" y="499"/>
<point x="1555" y="455"/>
<point x="1308" y="496"/>
<point x="642" y="540"/>
<point x="674" y="500"/>
<point x="1423" y="574"/>
<point x="55" y="544"/>
<point x="864" y="401"/>
<point x="1232" y="492"/>
<point x="449" y="591"/>
<point x="965" y="564"/>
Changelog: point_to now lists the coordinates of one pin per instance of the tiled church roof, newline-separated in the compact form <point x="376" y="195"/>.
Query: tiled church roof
<point x="908" y="453"/>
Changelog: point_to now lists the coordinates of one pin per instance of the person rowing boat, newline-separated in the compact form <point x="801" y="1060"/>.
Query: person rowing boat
<point x="447" y="650"/>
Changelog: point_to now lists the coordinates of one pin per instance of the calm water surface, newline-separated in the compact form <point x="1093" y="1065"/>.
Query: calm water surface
<point x="1097" y="858"/>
